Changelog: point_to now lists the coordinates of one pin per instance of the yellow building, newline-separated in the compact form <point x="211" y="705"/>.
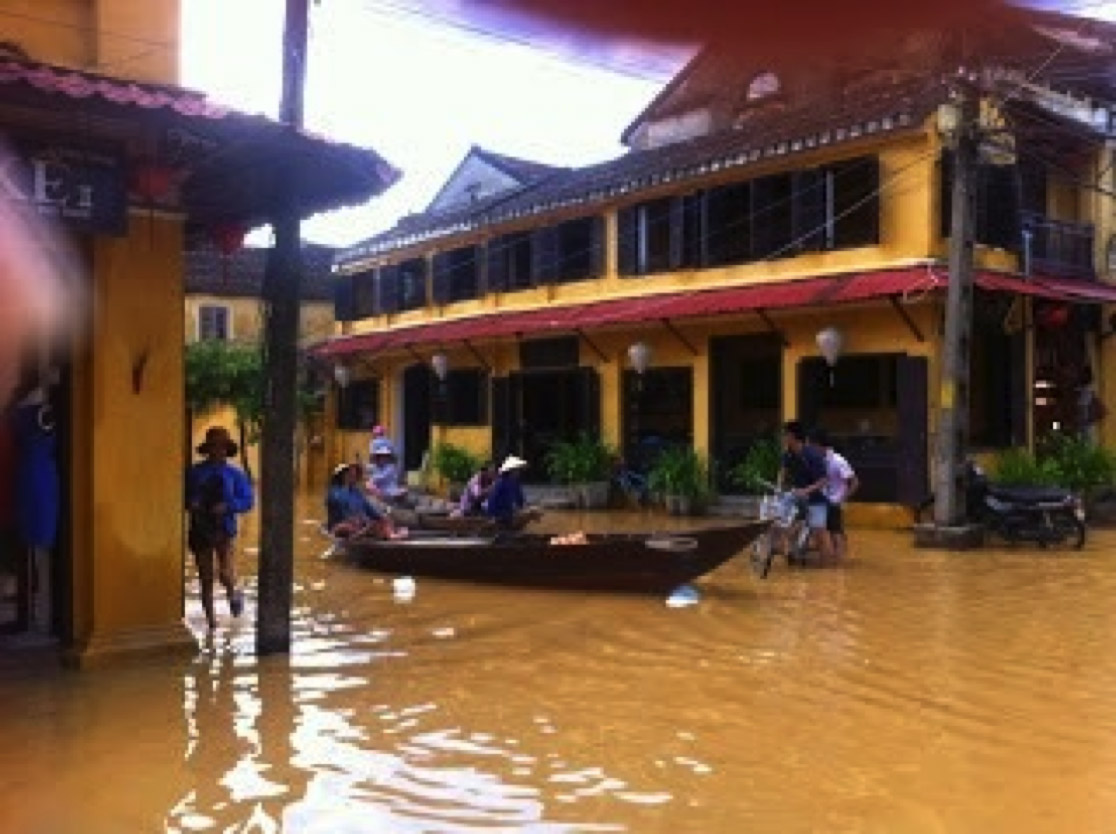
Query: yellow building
<point x="758" y="206"/>
<point x="223" y="302"/>
<point x="129" y="165"/>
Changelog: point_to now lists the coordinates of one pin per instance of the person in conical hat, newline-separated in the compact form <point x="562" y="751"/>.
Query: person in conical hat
<point x="506" y="499"/>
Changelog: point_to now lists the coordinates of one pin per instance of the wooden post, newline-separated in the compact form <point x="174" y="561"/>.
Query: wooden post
<point x="281" y="297"/>
<point x="953" y="420"/>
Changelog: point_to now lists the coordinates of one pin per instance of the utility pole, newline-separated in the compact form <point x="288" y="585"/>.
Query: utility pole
<point x="953" y="414"/>
<point x="281" y="296"/>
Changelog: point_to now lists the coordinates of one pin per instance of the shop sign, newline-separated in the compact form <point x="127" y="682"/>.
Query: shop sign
<point x="82" y="189"/>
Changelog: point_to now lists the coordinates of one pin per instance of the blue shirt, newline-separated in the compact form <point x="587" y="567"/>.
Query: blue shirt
<point x="344" y="503"/>
<point x="236" y="490"/>
<point x="506" y="497"/>
<point x="805" y="469"/>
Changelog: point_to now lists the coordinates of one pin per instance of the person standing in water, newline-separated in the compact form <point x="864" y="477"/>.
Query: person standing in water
<point x="216" y="492"/>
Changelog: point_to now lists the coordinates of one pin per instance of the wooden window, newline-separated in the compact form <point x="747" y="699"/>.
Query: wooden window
<point x="647" y="237"/>
<point x="509" y="261"/>
<point x="214" y="323"/>
<point x="772" y="217"/>
<point x="364" y="294"/>
<point x="727" y="225"/>
<point x="358" y="405"/>
<point x="387" y="289"/>
<point x="412" y="284"/>
<point x="855" y="211"/>
<point x="462" y="399"/>
<point x="456" y="275"/>
<point x="344" y="306"/>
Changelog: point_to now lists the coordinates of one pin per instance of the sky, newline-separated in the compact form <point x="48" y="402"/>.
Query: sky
<point x="421" y="92"/>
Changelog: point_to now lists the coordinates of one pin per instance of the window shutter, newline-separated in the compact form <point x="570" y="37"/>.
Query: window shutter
<point x="809" y="209"/>
<point x="343" y="298"/>
<point x="442" y="279"/>
<point x="677" y="219"/>
<point x="856" y="202"/>
<point x="597" y="248"/>
<point x="693" y="229"/>
<point x="545" y="252"/>
<point x="480" y="256"/>
<point x="496" y="265"/>
<point x="627" y="240"/>
<point x="388" y="290"/>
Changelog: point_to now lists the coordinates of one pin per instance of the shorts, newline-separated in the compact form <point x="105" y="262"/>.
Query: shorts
<point x="835" y="521"/>
<point x="817" y="516"/>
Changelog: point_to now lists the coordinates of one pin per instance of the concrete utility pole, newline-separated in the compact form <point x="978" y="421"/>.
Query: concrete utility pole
<point x="281" y="295"/>
<point x="953" y="414"/>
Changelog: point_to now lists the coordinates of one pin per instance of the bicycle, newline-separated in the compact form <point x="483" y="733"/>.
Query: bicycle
<point x="788" y="515"/>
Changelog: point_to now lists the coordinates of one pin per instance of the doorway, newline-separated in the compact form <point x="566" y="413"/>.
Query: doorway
<point x="416" y="415"/>
<point x="746" y="392"/>
<point x="658" y="409"/>
<point x="533" y="410"/>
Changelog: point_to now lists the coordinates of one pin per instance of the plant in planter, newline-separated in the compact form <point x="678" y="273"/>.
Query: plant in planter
<point x="760" y="465"/>
<point x="681" y="476"/>
<point x="585" y="465"/>
<point x="454" y="464"/>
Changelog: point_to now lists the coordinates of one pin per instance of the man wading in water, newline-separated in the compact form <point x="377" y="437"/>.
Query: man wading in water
<point x="216" y="492"/>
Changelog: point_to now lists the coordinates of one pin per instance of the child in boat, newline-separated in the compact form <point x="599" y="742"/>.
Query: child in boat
<point x="476" y="492"/>
<point x="349" y="513"/>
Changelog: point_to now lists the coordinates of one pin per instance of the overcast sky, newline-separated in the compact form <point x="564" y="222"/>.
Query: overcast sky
<point x="419" y="92"/>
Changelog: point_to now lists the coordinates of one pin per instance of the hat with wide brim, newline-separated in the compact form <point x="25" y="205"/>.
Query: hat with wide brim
<point x="511" y="463"/>
<point x="212" y="437"/>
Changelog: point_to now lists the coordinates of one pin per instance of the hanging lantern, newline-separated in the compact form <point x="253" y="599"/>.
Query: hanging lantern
<point x="830" y="342"/>
<point x="1054" y="317"/>
<point x="153" y="181"/>
<point x="440" y="364"/>
<point x="639" y="355"/>
<point x="229" y="239"/>
<point x="342" y="376"/>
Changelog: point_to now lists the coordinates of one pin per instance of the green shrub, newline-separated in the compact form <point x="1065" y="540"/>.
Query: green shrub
<point x="1018" y="467"/>
<point x="762" y="463"/>
<point x="679" y="470"/>
<point x="1080" y="465"/>
<point x="580" y="461"/>
<point x="454" y="463"/>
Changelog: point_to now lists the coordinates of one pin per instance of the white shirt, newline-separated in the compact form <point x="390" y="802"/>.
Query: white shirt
<point x="838" y="473"/>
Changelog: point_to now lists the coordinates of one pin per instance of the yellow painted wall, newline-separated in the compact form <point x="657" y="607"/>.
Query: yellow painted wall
<point x="127" y="470"/>
<point x="136" y="39"/>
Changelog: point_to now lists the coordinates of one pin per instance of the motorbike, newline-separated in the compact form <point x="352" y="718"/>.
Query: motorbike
<point x="1044" y="515"/>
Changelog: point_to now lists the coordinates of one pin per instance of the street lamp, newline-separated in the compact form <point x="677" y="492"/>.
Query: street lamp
<point x="830" y="342"/>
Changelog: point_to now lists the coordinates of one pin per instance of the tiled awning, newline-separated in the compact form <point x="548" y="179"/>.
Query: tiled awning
<point x="907" y="285"/>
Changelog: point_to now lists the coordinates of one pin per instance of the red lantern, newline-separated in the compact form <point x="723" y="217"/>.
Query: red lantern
<point x="1055" y="317"/>
<point x="229" y="238"/>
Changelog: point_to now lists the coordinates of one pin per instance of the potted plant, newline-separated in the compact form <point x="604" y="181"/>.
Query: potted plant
<point x="584" y="465"/>
<point x="455" y="465"/>
<point x="681" y="476"/>
<point x="760" y="466"/>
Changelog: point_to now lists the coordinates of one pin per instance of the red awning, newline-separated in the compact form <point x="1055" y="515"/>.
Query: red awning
<point x="908" y="285"/>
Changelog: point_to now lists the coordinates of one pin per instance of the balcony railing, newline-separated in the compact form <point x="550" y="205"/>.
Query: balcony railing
<point x="1057" y="248"/>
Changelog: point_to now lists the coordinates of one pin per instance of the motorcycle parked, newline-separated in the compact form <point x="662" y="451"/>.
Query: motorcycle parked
<point x="1044" y="515"/>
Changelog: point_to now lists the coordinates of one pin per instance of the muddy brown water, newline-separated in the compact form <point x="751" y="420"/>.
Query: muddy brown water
<point x="909" y="692"/>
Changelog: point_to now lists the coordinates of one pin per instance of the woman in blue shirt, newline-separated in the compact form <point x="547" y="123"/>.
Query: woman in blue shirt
<point x="507" y="499"/>
<point x="216" y="492"/>
<point x="349" y="513"/>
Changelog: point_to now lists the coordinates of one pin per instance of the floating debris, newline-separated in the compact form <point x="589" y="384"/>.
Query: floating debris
<point x="404" y="588"/>
<point x="683" y="596"/>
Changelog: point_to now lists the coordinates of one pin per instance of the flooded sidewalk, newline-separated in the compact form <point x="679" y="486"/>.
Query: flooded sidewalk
<point x="912" y="691"/>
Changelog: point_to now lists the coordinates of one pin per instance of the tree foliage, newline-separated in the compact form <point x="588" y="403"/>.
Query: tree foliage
<point x="227" y="373"/>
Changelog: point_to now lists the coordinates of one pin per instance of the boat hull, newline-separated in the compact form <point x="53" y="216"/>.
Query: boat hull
<point x="626" y="563"/>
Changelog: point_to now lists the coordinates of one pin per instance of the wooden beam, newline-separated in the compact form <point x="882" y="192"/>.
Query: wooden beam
<point x="477" y="355"/>
<point x="418" y="357"/>
<point x="679" y="336"/>
<point x="766" y="319"/>
<point x="906" y="317"/>
<point x="600" y="353"/>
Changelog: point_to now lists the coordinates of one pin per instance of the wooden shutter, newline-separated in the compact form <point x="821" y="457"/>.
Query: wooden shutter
<point x="597" y="248"/>
<point x="388" y="289"/>
<point x="813" y="383"/>
<point x="343" y="298"/>
<point x="913" y="470"/>
<point x="1020" y="400"/>
<point x="496" y="264"/>
<point x="856" y="202"/>
<point x="442" y="280"/>
<point x="692" y="229"/>
<point x="676" y="215"/>
<point x="809" y="209"/>
<point x="589" y="395"/>
<point x="545" y="255"/>
<point x="627" y="240"/>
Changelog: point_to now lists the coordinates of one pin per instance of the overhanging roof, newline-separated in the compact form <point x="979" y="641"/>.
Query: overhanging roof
<point x="234" y="167"/>
<point x="907" y="285"/>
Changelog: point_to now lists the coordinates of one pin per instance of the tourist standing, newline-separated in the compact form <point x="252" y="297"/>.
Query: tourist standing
<point x="840" y="484"/>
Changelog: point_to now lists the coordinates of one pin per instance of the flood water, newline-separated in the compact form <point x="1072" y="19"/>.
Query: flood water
<point x="909" y="692"/>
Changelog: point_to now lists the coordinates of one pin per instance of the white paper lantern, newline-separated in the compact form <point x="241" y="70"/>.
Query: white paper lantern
<point x="639" y="355"/>
<point x="342" y="376"/>
<point x="440" y="364"/>
<point x="829" y="343"/>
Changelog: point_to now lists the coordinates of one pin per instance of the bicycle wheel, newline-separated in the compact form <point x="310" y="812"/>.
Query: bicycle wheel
<point x="763" y="554"/>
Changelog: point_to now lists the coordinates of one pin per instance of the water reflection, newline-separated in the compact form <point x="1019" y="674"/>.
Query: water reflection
<point x="913" y="692"/>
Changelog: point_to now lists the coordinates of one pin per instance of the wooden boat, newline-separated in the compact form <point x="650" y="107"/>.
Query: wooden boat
<point x="623" y="562"/>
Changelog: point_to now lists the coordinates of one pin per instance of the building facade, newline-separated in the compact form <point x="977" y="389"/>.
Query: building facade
<point x="128" y="167"/>
<point x="757" y="207"/>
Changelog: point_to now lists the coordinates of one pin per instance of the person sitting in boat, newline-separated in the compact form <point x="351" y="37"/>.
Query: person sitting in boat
<point x="384" y="477"/>
<point x="349" y="513"/>
<point x="476" y="492"/>
<point x="506" y="502"/>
